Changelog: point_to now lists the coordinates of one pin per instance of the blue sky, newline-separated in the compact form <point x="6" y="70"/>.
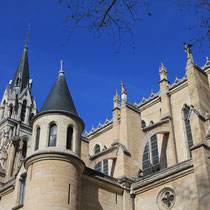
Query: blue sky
<point x="92" y="69"/>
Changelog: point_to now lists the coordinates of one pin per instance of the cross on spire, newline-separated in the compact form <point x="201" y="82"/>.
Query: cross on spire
<point x="61" y="69"/>
<point x="27" y="35"/>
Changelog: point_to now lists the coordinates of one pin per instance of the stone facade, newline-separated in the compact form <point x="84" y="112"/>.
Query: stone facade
<point x="150" y="155"/>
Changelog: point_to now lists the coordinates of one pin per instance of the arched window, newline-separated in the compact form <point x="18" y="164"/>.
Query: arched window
<point x="24" y="150"/>
<point x="186" y="112"/>
<point x="69" y="138"/>
<point x="103" y="165"/>
<point x="143" y="124"/>
<point x="52" y="135"/>
<point x="23" y="111"/>
<point x="37" y="138"/>
<point x="17" y="81"/>
<point x="97" y="149"/>
<point x="150" y="162"/>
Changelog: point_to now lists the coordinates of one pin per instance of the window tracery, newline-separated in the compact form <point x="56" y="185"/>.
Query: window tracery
<point x="166" y="198"/>
<point x="150" y="161"/>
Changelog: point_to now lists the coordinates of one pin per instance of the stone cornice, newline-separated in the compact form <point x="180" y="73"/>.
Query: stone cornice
<point x="163" y="176"/>
<point x="54" y="154"/>
<point x="200" y="144"/>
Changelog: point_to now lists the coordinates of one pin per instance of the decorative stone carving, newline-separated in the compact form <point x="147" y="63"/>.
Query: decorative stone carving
<point x="166" y="198"/>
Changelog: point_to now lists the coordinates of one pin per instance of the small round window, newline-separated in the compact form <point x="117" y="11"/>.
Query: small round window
<point x="166" y="198"/>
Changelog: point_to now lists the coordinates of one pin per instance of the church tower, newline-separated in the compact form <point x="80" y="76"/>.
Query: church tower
<point x="54" y="167"/>
<point x="17" y="107"/>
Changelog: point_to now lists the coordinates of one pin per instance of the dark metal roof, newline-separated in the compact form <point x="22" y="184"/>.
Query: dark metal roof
<point x="22" y="71"/>
<point x="59" y="98"/>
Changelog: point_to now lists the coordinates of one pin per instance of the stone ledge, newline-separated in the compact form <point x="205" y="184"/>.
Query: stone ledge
<point x="179" y="168"/>
<point x="55" y="154"/>
<point x="200" y="144"/>
<point x="17" y="207"/>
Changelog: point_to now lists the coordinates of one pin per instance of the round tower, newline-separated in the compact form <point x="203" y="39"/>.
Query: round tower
<point x="54" y="167"/>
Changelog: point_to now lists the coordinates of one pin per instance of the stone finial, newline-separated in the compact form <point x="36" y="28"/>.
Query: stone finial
<point x="61" y="69"/>
<point x="190" y="61"/>
<point x="116" y="100"/>
<point x="162" y="71"/>
<point x="123" y="88"/>
<point x="207" y="61"/>
<point x="123" y="94"/>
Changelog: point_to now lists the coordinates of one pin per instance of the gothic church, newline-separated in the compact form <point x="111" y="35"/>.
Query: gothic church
<point x="151" y="155"/>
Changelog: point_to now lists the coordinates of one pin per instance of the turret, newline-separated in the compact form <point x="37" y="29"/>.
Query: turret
<point x="54" y="163"/>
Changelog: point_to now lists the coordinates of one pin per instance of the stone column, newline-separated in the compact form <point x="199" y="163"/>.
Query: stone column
<point x="6" y="110"/>
<point x="19" y="111"/>
<point x="1" y="112"/>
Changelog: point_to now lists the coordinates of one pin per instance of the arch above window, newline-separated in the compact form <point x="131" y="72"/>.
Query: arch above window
<point x="52" y="135"/>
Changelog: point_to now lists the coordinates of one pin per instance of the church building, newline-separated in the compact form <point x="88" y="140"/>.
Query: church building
<point x="152" y="155"/>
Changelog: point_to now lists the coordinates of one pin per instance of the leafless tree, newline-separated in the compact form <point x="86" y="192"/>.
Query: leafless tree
<point x="115" y="16"/>
<point x="201" y="29"/>
<point x="99" y="16"/>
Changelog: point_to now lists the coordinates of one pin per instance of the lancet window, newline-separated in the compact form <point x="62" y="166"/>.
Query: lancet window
<point x="69" y="138"/>
<point x="52" y="135"/>
<point x="37" y="138"/>
<point x="150" y="162"/>
<point x="186" y="111"/>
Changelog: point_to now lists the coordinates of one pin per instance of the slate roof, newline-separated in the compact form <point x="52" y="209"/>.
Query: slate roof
<point x="22" y="71"/>
<point x="59" y="98"/>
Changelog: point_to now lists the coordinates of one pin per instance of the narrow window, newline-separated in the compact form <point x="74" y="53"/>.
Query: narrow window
<point x="69" y="138"/>
<point x="24" y="150"/>
<point x="22" y="190"/>
<point x="146" y="160"/>
<point x="17" y="81"/>
<point x="98" y="167"/>
<point x="186" y="112"/>
<point x="23" y="111"/>
<point x="37" y="138"/>
<point x="10" y="110"/>
<point x="52" y="136"/>
<point x="69" y="194"/>
<point x="105" y="167"/>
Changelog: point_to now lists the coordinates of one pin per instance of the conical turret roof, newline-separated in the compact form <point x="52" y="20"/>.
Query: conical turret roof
<point x="21" y="77"/>
<point x="59" y="98"/>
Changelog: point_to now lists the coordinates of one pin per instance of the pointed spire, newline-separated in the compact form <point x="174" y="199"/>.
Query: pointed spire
<point x="59" y="98"/>
<point x="21" y="77"/>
